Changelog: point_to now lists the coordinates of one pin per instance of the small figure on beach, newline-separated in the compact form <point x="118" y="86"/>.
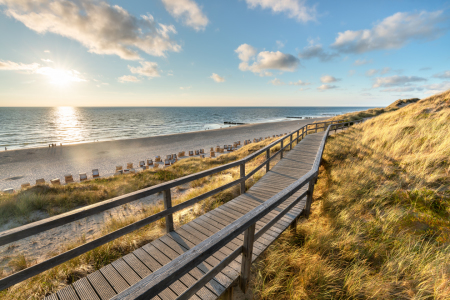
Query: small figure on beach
<point x="5" y="149"/>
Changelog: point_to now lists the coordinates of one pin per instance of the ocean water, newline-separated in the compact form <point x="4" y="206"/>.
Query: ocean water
<point x="28" y="127"/>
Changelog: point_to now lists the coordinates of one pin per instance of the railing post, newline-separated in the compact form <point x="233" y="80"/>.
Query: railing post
<point x="298" y="135"/>
<point x="247" y="252"/>
<point x="290" y="145"/>
<point x="268" y="162"/>
<point x="228" y="295"/>
<point x="167" y="205"/>
<point x="282" y="145"/>
<point x="316" y="128"/>
<point x="309" y="197"/>
<point x="303" y="132"/>
<point x="242" y="168"/>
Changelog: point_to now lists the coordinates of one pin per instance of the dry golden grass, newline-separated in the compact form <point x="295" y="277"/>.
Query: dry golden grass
<point x="380" y="223"/>
<point x="66" y="273"/>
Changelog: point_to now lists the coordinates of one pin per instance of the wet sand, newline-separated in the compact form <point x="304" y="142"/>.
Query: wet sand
<point x="27" y="165"/>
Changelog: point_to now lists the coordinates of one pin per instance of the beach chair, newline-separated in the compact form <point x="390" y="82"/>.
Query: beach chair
<point x="8" y="191"/>
<point x="118" y="172"/>
<point x="191" y="153"/>
<point x="155" y="166"/>
<point x="202" y="151"/>
<point x="129" y="165"/>
<point x="142" y="165"/>
<point x="126" y="171"/>
<point x="202" y="155"/>
<point x="211" y="149"/>
<point x="118" y="168"/>
<point x="217" y="149"/>
<point x="95" y="173"/>
<point x="25" y="185"/>
<point x="174" y="156"/>
<point x="180" y="154"/>
<point x="149" y="162"/>
<point x="132" y="171"/>
<point x="245" y="143"/>
<point x="83" y="176"/>
<point x="212" y="154"/>
<point x="197" y="152"/>
<point x="55" y="181"/>
<point x="230" y="148"/>
<point x="239" y="143"/>
<point x="167" y="162"/>
<point x="225" y="146"/>
<point x="68" y="178"/>
<point x="40" y="181"/>
<point x="157" y="158"/>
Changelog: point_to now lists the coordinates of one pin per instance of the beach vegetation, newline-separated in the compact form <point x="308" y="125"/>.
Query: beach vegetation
<point x="380" y="222"/>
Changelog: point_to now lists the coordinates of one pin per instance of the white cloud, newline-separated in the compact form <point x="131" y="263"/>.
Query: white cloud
<point x="328" y="79"/>
<point x="149" y="69"/>
<point x="404" y="89"/>
<point x="277" y="81"/>
<point x="396" y="81"/>
<point x="185" y="87"/>
<point x="102" y="28"/>
<point x="47" y="60"/>
<point x="316" y="50"/>
<point x="437" y="88"/>
<point x="188" y="11"/>
<point x="324" y="87"/>
<point x="217" y="78"/>
<point x="351" y="72"/>
<point x="265" y="60"/>
<point x="299" y="83"/>
<point x="371" y="72"/>
<point x="392" y="33"/>
<point x="442" y="75"/>
<point x="12" y="66"/>
<point x="360" y="62"/>
<point x="128" y="78"/>
<point x="280" y="44"/>
<point x="245" y="52"/>
<point x="46" y="51"/>
<point x="35" y="68"/>
<point x="296" y="9"/>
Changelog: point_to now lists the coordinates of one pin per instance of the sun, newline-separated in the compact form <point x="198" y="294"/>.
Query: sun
<point x="61" y="77"/>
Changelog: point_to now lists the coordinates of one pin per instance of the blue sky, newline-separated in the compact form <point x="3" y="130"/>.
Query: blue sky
<point x="222" y="53"/>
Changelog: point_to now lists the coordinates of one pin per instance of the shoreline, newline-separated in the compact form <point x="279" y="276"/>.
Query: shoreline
<point x="26" y="165"/>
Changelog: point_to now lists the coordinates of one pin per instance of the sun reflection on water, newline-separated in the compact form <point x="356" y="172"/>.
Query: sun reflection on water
<point x="68" y="125"/>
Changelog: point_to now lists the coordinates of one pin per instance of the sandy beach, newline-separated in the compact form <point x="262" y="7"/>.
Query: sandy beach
<point x="27" y="165"/>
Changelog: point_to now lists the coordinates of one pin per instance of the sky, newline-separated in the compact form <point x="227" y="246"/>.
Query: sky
<point x="222" y="53"/>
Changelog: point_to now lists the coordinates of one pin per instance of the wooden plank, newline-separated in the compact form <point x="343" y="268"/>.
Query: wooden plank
<point x="113" y="277"/>
<point x="101" y="285"/>
<point x="67" y="293"/>
<point x="127" y="273"/>
<point x="85" y="290"/>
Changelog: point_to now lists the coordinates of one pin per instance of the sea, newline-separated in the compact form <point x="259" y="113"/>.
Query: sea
<point x="29" y="127"/>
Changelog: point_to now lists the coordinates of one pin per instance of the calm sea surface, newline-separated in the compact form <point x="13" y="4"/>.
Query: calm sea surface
<point x="37" y="127"/>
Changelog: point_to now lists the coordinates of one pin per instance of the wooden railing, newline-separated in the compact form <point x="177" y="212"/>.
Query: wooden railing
<point x="25" y="231"/>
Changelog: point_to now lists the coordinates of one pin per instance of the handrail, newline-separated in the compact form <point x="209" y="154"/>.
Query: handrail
<point x="153" y="284"/>
<point x="49" y="223"/>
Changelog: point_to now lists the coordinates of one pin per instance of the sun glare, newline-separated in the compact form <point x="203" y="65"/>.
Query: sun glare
<point x="61" y="77"/>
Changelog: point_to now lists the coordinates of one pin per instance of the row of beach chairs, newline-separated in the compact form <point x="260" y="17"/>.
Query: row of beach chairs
<point x="169" y="160"/>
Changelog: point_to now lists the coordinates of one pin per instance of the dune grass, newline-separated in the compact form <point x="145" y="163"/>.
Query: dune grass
<point x="380" y="223"/>
<point x="66" y="273"/>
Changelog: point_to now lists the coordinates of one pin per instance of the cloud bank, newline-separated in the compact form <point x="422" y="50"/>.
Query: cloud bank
<point x="217" y="78"/>
<point x="392" y="33"/>
<point x="100" y="27"/>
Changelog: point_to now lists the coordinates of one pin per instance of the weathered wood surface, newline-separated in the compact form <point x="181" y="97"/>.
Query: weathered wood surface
<point x="118" y="276"/>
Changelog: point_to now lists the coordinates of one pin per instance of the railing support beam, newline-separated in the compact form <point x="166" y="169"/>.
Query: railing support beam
<point x="242" y="173"/>
<point x="247" y="252"/>
<point x="290" y="144"/>
<point x="228" y="295"/>
<point x="167" y="205"/>
<point x="268" y="161"/>
<point x="282" y="150"/>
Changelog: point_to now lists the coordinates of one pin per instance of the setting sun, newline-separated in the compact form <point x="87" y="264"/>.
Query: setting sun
<point x="60" y="77"/>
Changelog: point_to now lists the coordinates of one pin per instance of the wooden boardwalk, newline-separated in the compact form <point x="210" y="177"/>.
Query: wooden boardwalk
<point x="128" y="270"/>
